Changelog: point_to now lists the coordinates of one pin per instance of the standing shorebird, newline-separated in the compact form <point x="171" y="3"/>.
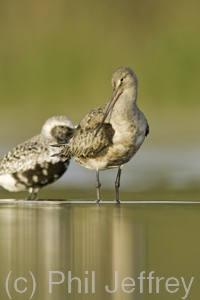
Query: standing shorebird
<point x="29" y="166"/>
<point x="110" y="135"/>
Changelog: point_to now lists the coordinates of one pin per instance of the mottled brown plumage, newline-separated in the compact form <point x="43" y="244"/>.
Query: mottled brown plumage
<point x="110" y="135"/>
<point x="88" y="144"/>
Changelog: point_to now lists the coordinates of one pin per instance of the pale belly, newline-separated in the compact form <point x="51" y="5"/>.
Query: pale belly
<point x="9" y="183"/>
<point x="124" y="147"/>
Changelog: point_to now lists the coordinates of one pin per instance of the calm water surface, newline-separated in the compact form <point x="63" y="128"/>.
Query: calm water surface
<point x="100" y="245"/>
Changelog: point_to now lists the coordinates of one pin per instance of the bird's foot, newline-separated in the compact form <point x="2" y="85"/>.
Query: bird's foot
<point x="98" y="201"/>
<point x="117" y="201"/>
<point x="31" y="198"/>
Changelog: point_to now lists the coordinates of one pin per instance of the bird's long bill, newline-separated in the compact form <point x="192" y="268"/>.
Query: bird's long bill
<point x="110" y="106"/>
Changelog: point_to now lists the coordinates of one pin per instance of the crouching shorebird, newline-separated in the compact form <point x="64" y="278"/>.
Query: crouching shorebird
<point x="29" y="166"/>
<point x="110" y="135"/>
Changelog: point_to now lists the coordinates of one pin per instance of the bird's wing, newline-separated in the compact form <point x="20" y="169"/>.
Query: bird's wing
<point x="25" y="155"/>
<point x="84" y="142"/>
<point x="93" y="118"/>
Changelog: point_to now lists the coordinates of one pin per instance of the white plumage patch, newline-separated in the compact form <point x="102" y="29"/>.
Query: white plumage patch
<point x="35" y="178"/>
<point x="9" y="183"/>
<point x="45" y="172"/>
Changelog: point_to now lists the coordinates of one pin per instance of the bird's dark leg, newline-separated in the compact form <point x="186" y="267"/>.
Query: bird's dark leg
<point x="34" y="195"/>
<point x="117" y="184"/>
<point x="98" y="185"/>
<point x="30" y="192"/>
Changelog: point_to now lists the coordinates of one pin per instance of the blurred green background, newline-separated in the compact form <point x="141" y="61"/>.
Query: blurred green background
<point x="57" y="58"/>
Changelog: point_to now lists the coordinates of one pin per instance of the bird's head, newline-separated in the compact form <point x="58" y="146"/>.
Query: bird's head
<point x="123" y="80"/>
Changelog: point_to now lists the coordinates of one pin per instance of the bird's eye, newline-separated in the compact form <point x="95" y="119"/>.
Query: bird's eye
<point x="122" y="79"/>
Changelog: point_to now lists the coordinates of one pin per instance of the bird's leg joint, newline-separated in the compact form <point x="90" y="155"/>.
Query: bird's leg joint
<point x="117" y="184"/>
<point x="117" y="181"/>
<point x="98" y="184"/>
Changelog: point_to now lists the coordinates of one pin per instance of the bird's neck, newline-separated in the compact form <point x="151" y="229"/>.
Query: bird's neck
<point x="126" y="105"/>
